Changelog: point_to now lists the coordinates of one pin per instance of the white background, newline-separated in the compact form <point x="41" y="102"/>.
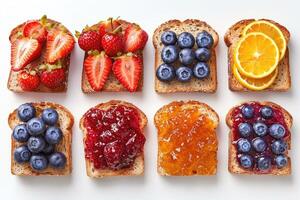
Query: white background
<point x="149" y="14"/>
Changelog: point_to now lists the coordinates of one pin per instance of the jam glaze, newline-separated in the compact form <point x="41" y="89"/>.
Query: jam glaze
<point x="114" y="138"/>
<point x="278" y="117"/>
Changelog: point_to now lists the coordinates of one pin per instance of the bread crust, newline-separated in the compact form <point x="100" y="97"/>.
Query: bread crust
<point x="205" y="108"/>
<point x="65" y="121"/>
<point x="12" y="83"/>
<point x="282" y="82"/>
<point x="138" y="166"/>
<point x="193" y="26"/>
<point x="234" y="166"/>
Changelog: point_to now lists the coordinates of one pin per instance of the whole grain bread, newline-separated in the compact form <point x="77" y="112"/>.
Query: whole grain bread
<point x="205" y="110"/>
<point x="13" y="83"/>
<point x="232" y="36"/>
<point x="112" y="84"/>
<point x="192" y="26"/>
<point x="234" y="166"/>
<point x="138" y="166"/>
<point x="65" y="122"/>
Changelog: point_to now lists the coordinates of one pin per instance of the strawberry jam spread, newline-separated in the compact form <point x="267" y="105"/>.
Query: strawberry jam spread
<point x="114" y="137"/>
<point x="270" y="149"/>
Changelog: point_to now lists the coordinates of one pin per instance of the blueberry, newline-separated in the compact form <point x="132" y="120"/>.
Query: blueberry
<point x="279" y="147"/>
<point x="165" y="72"/>
<point x="20" y="133"/>
<point x="36" y="144"/>
<point x="26" y="112"/>
<point x="57" y="160"/>
<point x="184" y="74"/>
<point x="263" y="163"/>
<point x="50" y="116"/>
<point x="243" y="145"/>
<point x="186" y="40"/>
<point x="203" y="54"/>
<point x="204" y="39"/>
<point x="259" y="144"/>
<point x="246" y="161"/>
<point x="169" y="54"/>
<point x="36" y="126"/>
<point x="277" y="131"/>
<point x="53" y="135"/>
<point x="281" y="161"/>
<point x="245" y="129"/>
<point x="247" y="111"/>
<point x="168" y="38"/>
<point x="201" y="70"/>
<point x="186" y="56"/>
<point x="260" y="129"/>
<point x="38" y="162"/>
<point x="22" y="154"/>
<point x="266" y="112"/>
<point x="49" y="148"/>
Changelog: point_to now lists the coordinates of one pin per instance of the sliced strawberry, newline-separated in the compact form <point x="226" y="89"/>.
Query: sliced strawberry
<point x="28" y="81"/>
<point x="52" y="76"/>
<point x="135" y="38"/>
<point x="59" y="45"/>
<point x="108" y="26"/>
<point x="97" y="68"/>
<point x="24" y="51"/>
<point x="128" y="69"/>
<point x="34" y="29"/>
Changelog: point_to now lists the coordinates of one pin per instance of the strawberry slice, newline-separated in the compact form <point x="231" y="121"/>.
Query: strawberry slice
<point x="128" y="69"/>
<point x="34" y="29"/>
<point x="135" y="38"/>
<point x="24" y="51"/>
<point x="97" y="68"/>
<point x="59" y="45"/>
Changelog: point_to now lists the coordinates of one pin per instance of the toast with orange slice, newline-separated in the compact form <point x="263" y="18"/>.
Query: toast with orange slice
<point x="276" y="76"/>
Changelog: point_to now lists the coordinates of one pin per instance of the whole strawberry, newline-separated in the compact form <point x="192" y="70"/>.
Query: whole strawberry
<point x="112" y="43"/>
<point x="28" y="80"/>
<point x="108" y="26"/>
<point x="90" y="40"/>
<point x="135" y="38"/>
<point x="53" y="78"/>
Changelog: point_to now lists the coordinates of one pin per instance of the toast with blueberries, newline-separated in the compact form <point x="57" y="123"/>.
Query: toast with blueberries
<point x="41" y="140"/>
<point x="185" y="57"/>
<point x="40" y="56"/>
<point x="259" y="139"/>
<point x="114" y="138"/>
<point x="247" y="76"/>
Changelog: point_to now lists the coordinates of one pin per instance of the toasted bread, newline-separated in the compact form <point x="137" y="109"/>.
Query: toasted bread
<point x="13" y="83"/>
<point x="65" y="122"/>
<point x="205" y="111"/>
<point x="193" y="26"/>
<point x="232" y="36"/>
<point x="138" y="166"/>
<point x="234" y="166"/>
<point x="112" y="84"/>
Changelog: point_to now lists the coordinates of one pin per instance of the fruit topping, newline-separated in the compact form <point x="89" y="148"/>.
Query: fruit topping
<point x="204" y="40"/>
<point x="38" y="162"/>
<point x="112" y="42"/>
<point x="53" y="76"/>
<point x="50" y="116"/>
<point x="277" y="131"/>
<point x="186" y="40"/>
<point x="108" y="26"/>
<point x="186" y="56"/>
<point x="49" y="148"/>
<point x="279" y="147"/>
<point x="281" y="161"/>
<point x="264" y="163"/>
<point x="36" y="30"/>
<point x="20" y="133"/>
<point x="184" y="74"/>
<point x="57" y="160"/>
<point x="53" y="135"/>
<point x="165" y="72"/>
<point x="247" y="111"/>
<point x="128" y="69"/>
<point x="201" y="70"/>
<point x="90" y="40"/>
<point x="22" y="154"/>
<point x="260" y="128"/>
<point x="36" y="126"/>
<point x="266" y="112"/>
<point x="243" y="145"/>
<point x="203" y="54"/>
<point x="245" y="160"/>
<point x="259" y="144"/>
<point x="114" y="138"/>
<point x="169" y="54"/>
<point x="29" y="80"/>
<point x="245" y="129"/>
<point x="26" y="112"/>
<point x="36" y="144"/>
<point x="135" y="38"/>
<point x="169" y="38"/>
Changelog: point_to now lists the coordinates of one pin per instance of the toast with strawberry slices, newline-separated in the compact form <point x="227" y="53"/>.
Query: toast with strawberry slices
<point x="40" y="56"/>
<point x="113" y="59"/>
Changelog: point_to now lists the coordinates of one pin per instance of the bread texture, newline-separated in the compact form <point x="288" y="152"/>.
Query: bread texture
<point x="234" y="166"/>
<point x="205" y="110"/>
<point x="192" y="26"/>
<point x="232" y="36"/>
<point x="65" y="122"/>
<point x="13" y="83"/>
<point x="112" y="84"/>
<point x="138" y="166"/>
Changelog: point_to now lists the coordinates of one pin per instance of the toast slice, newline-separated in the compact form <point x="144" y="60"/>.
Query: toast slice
<point x="138" y="166"/>
<point x="192" y="26"/>
<point x="65" y="122"/>
<point x="232" y="36"/>
<point x="112" y="84"/>
<point x="204" y="139"/>
<point x="233" y="165"/>
<point x="13" y="83"/>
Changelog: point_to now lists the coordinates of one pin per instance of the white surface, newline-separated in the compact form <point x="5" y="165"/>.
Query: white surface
<point x="150" y="14"/>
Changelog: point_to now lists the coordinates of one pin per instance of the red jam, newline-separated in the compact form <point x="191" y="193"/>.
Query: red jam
<point x="114" y="137"/>
<point x="278" y="117"/>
